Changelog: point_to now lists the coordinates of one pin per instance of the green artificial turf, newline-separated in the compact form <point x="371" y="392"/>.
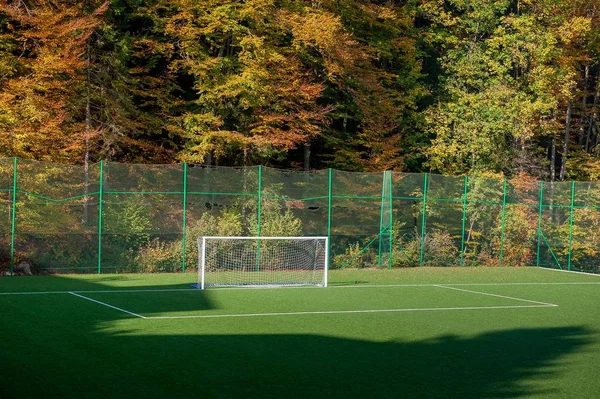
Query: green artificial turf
<point x="412" y="333"/>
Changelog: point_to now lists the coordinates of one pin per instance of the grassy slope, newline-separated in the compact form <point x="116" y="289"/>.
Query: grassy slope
<point x="61" y="346"/>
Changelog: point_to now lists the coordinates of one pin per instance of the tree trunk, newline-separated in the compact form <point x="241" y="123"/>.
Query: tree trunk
<point x="553" y="159"/>
<point x="88" y="129"/>
<point x="594" y="114"/>
<point x="566" y="142"/>
<point x="307" y="151"/>
<point x="584" y="106"/>
<point x="468" y="236"/>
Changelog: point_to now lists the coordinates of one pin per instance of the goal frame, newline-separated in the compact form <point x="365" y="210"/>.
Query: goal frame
<point x="202" y="251"/>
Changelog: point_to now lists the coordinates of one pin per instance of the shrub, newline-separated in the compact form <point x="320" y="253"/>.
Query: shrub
<point x="158" y="256"/>
<point x="228" y="224"/>
<point x="440" y="249"/>
<point x="128" y="225"/>
<point x="406" y="252"/>
<point x="276" y="223"/>
<point x="355" y="256"/>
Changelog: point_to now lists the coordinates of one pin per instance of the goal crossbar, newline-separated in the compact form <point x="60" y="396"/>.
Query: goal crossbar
<point x="262" y="261"/>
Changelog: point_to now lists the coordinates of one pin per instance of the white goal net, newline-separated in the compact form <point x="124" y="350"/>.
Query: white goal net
<point x="264" y="261"/>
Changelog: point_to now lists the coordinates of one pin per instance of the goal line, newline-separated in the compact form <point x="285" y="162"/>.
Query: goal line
<point x="331" y="286"/>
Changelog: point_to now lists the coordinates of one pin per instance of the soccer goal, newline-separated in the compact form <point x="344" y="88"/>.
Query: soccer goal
<point x="262" y="261"/>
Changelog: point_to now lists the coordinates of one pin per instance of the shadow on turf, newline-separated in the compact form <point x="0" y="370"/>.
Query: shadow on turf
<point x="493" y="365"/>
<point x="81" y="354"/>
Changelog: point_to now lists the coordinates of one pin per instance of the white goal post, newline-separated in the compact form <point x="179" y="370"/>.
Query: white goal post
<point x="262" y="261"/>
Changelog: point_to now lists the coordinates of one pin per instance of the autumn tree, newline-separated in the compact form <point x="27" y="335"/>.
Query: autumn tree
<point x="272" y="78"/>
<point x="253" y="99"/>
<point x="128" y="95"/>
<point x="42" y="56"/>
<point x="366" y="55"/>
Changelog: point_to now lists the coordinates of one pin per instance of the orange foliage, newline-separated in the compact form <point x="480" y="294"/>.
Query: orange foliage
<point x="48" y="47"/>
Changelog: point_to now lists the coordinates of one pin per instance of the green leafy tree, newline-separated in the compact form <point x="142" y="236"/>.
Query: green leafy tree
<point x="508" y="83"/>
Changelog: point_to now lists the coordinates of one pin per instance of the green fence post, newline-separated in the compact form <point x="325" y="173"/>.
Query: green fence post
<point x="424" y="211"/>
<point x="381" y="211"/>
<point x="539" y="232"/>
<point x="391" y="210"/>
<point x="329" y="202"/>
<point x="386" y="183"/>
<point x="503" y="222"/>
<point x="184" y="220"/>
<point x="464" y="222"/>
<point x="259" y="207"/>
<point x="259" y="216"/>
<point x="13" y="217"/>
<point x="100" y="200"/>
<point x="571" y="224"/>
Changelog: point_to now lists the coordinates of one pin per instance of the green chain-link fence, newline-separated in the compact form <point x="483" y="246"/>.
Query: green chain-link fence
<point x="146" y="218"/>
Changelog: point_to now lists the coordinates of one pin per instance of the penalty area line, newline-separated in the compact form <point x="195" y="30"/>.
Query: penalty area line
<point x="107" y="305"/>
<point x="571" y="271"/>
<point x="497" y="296"/>
<point x="336" y="312"/>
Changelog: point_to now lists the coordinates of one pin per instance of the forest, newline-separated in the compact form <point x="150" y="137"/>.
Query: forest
<point x="456" y="87"/>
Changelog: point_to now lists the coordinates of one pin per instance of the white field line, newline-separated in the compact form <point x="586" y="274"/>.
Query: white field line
<point x="354" y="286"/>
<point x="306" y="287"/>
<point x="397" y="285"/>
<point x="95" y="291"/>
<point x="571" y="271"/>
<point x="330" y="312"/>
<point x="34" y="293"/>
<point x="496" y="295"/>
<point x="454" y="284"/>
<point x="106" y="304"/>
<point x="538" y="283"/>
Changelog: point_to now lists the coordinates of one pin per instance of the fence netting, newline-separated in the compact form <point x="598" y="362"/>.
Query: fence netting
<point x="114" y="218"/>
